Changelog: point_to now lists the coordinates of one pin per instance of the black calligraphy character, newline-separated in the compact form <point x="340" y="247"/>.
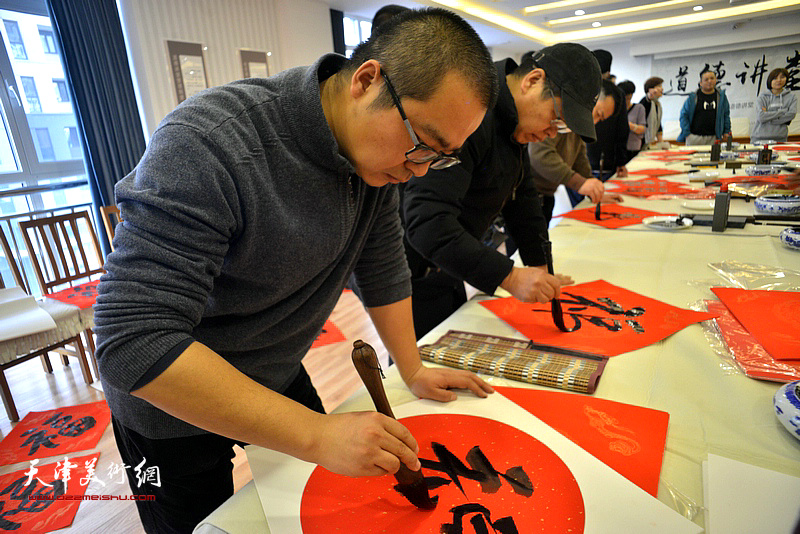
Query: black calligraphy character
<point x="793" y="66"/>
<point x="515" y="476"/>
<point x="719" y="71"/>
<point x="639" y="329"/>
<point x="76" y="428"/>
<point x="758" y="71"/>
<point x="36" y="438"/>
<point x="742" y="75"/>
<point x="683" y="70"/>
<point x="504" y="525"/>
<point x="19" y="491"/>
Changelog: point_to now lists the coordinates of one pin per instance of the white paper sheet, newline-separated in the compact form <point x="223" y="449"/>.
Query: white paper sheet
<point x="612" y="503"/>
<point x="20" y="315"/>
<point x="746" y="499"/>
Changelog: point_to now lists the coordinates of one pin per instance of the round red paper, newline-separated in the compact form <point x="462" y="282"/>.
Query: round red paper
<point x="335" y="503"/>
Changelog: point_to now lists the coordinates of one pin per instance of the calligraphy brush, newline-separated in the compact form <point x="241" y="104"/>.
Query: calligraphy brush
<point x="410" y="483"/>
<point x="555" y="304"/>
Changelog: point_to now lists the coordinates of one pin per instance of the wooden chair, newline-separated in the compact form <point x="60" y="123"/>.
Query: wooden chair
<point x="111" y="218"/>
<point x="58" y="252"/>
<point x="18" y="350"/>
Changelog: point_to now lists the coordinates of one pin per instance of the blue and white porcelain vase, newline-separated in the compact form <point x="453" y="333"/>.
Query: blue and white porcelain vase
<point x="787" y="407"/>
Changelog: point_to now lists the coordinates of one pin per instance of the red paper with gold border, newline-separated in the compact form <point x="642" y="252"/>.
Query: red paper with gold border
<point x="330" y="334"/>
<point x="82" y="296"/>
<point x="55" y="432"/>
<point x="772" y="317"/>
<point x="611" y="215"/>
<point x="656" y="172"/>
<point x="612" y="320"/>
<point x="747" y="351"/>
<point x="25" y="495"/>
<point x="649" y="186"/>
<point x="337" y="503"/>
<point x="629" y="439"/>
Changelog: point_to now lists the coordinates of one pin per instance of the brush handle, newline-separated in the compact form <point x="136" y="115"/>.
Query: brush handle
<point x="366" y="362"/>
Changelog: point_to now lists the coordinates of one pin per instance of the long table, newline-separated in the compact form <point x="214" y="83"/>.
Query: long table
<point x="713" y="408"/>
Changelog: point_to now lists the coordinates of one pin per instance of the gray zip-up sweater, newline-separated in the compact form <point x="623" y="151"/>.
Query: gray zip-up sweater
<point x="242" y="224"/>
<point x="773" y="115"/>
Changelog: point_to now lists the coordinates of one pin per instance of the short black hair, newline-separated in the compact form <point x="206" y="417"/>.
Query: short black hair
<point x="385" y="13"/>
<point x="627" y="87"/>
<point x="654" y="81"/>
<point x="417" y="47"/>
<point x="603" y="59"/>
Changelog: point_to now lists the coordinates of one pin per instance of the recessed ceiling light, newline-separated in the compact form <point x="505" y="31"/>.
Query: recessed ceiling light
<point x="580" y="12"/>
<point x="596" y="24"/>
<point x="697" y="8"/>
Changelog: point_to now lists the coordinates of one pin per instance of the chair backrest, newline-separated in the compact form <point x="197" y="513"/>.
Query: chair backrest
<point x="57" y="250"/>
<point x="12" y="263"/>
<point x="111" y="217"/>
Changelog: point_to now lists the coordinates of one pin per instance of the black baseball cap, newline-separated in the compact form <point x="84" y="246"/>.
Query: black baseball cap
<point x="575" y="71"/>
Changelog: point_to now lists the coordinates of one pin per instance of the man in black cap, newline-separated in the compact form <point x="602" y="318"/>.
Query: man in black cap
<point x="448" y="211"/>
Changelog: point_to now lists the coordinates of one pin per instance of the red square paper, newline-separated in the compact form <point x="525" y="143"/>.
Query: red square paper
<point x="611" y="320"/>
<point x="629" y="439"/>
<point x="82" y="295"/>
<point x="649" y="186"/>
<point x="772" y="317"/>
<point x="611" y="215"/>
<point x="748" y="353"/>
<point x="55" y="432"/>
<point x="656" y="172"/>
<point x="330" y="334"/>
<point x="37" y="499"/>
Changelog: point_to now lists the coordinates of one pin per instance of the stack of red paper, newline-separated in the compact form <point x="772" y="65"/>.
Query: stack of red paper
<point x="761" y="329"/>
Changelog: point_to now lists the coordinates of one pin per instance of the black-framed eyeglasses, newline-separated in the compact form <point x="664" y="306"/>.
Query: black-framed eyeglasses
<point x="558" y="123"/>
<point x="420" y="153"/>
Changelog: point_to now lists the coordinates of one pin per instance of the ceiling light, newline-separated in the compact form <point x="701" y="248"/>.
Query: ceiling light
<point x="596" y="24"/>
<point x="553" y="5"/>
<point x="580" y="12"/>
<point x="617" y="12"/>
<point x="697" y="8"/>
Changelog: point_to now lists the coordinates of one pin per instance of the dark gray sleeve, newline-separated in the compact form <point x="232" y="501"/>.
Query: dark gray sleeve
<point x="179" y="210"/>
<point x="382" y="272"/>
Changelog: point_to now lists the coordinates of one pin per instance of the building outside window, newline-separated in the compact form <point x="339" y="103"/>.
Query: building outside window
<point x="48" y="40"/>
<point x="356" y="31"/>
<point x="42" y="171"/>
<point x="15" y="43"/>
<point x="62" y="93"/>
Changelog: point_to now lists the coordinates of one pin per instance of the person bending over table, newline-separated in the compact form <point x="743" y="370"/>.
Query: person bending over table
<point x="562" y="160"/>
<point x="242" y="222"/>
<point x="448" y="211"/>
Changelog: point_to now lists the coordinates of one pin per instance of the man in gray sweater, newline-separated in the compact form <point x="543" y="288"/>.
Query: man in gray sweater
<point x="242" y="222"/>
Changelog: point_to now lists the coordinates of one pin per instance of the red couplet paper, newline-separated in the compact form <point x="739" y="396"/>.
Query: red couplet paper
<point x="772" y="317"/>
<point x="55" y="432"/>
<point x="629" y="439"/>
<point x="456" y="452"/>
<point x="82" y="295"/>
<point x="748" y="353"/>
<point x="610" y="320"/>
<point x="764" y="178"/>
<point x="611" y="215"/>
<point x="656" y="172"/>
<point x="330" y="334"/>
<point x="38" y="500"/>
<point x="785" y="148"/>
<point x="650" y="186"/>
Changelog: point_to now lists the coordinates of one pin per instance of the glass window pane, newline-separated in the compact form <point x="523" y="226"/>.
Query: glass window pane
<point x="350" y="32"/>
<point x="366" y="29"/>
<point x="16" y="46"/>
<point x="45" y="108"/>
<point x="9" y="162"/>
<point x="44" y="145"/>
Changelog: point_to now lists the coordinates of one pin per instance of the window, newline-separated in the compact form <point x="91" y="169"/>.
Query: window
<point x="45" y="144"/>
<point x="356" y="31"/>
<point x="15" y="39"/>
<point x="62" y="94"/>
<point x="31" y="95"/>
<point x="48" y="40"/>
<point x="73" y="143"/>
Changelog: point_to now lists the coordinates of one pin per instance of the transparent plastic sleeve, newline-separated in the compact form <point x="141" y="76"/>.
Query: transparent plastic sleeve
<point x="755" y="276"/>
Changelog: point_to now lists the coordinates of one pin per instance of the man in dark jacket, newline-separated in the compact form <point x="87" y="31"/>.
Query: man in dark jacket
<point x="609" y="153"/>
<point x="448" y="211"/>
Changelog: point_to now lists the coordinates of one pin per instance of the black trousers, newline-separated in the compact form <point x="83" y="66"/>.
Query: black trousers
<point x="195" y="472"/>
<point x="435" y="296"/>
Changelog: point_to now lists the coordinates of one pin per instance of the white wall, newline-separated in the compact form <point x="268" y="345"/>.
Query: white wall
<point x="223" y="27"/>
<point x="304" y="32"/>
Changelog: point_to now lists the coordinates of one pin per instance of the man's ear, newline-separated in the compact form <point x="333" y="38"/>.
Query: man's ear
<point x="530" y="80"/>
<point x="366" y="76"/>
